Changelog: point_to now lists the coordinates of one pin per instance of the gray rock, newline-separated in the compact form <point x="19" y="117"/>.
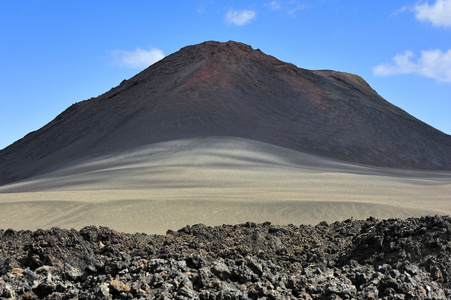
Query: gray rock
<point x="221" y="270"/>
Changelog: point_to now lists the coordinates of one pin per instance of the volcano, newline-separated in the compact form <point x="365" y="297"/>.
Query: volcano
<point x="220" y="133"/>
<point x="230" y="89"/>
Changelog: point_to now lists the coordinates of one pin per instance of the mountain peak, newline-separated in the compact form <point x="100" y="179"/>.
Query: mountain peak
<point x="215" y="47"/>
<point x="231" y="89"/>
<point x="232" y="45"/>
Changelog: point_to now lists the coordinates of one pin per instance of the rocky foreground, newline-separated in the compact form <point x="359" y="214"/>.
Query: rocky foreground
<point x="370" y="259"/>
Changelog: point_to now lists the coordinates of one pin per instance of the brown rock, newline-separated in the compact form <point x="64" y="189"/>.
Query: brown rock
<point x="119" y="286"/>
<point x="17" y="271"/>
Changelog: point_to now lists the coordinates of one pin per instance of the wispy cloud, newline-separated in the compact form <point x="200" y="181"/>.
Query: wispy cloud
<point x="274" y="5"/>
<point x="432" y="63"/>
<point x="402" y="10"/>
<point x="438" y="13"/>
<point x="294" y="6"/>
<point x="240" y="17"/>
<point x="288" y="7"/>
<point x="138" y="59"/>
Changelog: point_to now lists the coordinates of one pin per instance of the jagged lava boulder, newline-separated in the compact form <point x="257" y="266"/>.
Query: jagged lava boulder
<point x="354" y="259"/>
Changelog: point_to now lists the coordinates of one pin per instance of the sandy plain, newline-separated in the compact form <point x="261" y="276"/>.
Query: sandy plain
<point x="217" y="180"/>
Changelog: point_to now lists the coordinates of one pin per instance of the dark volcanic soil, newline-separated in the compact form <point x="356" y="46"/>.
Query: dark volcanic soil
<point x="230" y="89"/>
<point x="371" y="259"/>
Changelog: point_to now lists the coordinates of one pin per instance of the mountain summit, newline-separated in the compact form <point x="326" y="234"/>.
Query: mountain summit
<point x="230" y="89"/>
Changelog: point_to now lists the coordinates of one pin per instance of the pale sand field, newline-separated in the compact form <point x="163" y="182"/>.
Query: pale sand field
<point x="217" y="181"/>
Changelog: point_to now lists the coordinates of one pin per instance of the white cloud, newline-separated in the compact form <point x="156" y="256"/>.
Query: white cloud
<point x="402" y="65"/>
<point x="294" y="7"/>
<point x="274" y="5"/>
<point x="137" y="59"/>
<point x="438" y="13"/>
<point x="288" y="7"/>
<point x="240" y="17"/>
<point x="432" y="63"/>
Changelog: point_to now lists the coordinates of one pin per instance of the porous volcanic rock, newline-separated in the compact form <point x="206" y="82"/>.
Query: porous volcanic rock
<point x="366" y="259"/>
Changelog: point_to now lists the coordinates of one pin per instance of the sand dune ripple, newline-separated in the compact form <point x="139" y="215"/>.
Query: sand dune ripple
<point x="217" y="180"/>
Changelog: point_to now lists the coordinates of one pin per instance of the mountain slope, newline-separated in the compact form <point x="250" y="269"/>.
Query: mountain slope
<point x="230" y="89"/>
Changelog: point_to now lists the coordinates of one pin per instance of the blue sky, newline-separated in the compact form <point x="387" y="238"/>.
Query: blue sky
<point x="54" y="53"/>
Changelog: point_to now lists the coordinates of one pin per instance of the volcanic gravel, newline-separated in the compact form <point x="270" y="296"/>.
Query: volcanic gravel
<point x="353" y="259"/>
